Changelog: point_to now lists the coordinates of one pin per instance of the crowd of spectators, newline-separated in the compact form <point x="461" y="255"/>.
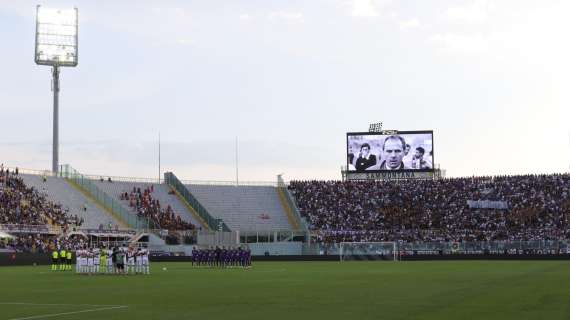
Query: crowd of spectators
<point x="20" y="204"/>
<point x="162" y="218"/>
<point x="536" y="208"/>
<point x="39" y="243"/>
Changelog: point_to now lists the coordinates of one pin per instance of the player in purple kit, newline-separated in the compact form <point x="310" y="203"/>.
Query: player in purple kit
<point x="194" y="256"/>
<point x="234" y="257"/>
<point x="212" y="258"/>
<point x="223" y="257"/>
<point x="248" y="257"/>
<point x="238" y="256"/>
<point x="201" y="257"/>
<point x="218" y="261"/>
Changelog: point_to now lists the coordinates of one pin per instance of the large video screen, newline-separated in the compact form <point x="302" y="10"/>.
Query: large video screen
<point x="389" y="151"/>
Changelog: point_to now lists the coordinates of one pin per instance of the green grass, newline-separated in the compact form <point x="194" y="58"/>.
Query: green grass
<point x="298" y="290"/>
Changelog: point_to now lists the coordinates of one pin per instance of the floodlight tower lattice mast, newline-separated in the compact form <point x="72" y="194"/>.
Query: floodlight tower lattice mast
<point x="56" y="46"/>
<point x="55" y="141"/>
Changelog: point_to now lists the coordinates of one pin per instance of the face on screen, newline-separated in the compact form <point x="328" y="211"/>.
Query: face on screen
<point x="418" y="154"/>
<point x="393" y="153"/>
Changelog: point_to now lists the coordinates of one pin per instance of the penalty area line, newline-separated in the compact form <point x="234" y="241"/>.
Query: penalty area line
<point x="43" y="316"/>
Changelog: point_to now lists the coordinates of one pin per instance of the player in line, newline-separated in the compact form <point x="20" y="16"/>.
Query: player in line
<point x="221" y="257"/>
<point x="112" y="261"/>
<point x="110" y="266"/>
<point x="132" y="261"/>
<point x="61" y="259"/>
<point x="141" y="261"/>
<point x="104" y="261"/>
<point x="85" y="261"/>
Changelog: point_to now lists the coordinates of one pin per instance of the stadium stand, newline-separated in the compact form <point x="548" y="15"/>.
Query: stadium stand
<point x="529" y="207"/>
<point x="243" y="207"/>
<point x="20" y="204"/>
<point x="59" y="191"/>
<point x="159" y="192"/>
<point x="39" y="243"/>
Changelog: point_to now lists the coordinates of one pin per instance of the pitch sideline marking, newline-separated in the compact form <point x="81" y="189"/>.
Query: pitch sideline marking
<point x="60" y="304"/>
<point x="270" y="271"/>
<point x="102" y="308"/>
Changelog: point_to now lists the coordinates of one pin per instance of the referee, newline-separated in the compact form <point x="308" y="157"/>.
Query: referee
<point x="68" y="256"/>
<point x="62" y="259"/>
<point x="54" y="258"/>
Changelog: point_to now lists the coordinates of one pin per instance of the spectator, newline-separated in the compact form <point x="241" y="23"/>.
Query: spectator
<point x="436" y="210"/>
<point x="22" y="205"/>
<point x="142" y="202"/>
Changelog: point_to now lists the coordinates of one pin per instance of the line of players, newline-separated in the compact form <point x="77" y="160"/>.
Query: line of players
<point x="221" y="257"/>
<point x="61" y="259"/>
<point x="112" y="261"/>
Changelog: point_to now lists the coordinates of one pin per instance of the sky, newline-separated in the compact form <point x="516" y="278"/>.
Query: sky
<point x="288" y="80"/>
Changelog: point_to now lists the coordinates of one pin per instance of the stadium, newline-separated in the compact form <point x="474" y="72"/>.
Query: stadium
<point x="203" y="225"/>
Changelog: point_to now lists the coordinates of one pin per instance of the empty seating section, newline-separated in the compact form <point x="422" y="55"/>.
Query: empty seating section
<point x="160" y="193"/>
<point x="59" y="191"/>
<point x="243" y="207"/>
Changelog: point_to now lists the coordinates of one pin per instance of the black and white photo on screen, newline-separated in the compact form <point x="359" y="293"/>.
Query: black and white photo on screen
<point x="373" y="152"/>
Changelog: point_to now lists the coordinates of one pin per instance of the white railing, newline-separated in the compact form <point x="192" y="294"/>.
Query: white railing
<point x="105" y="177"/>
<point x="122" y="179"/>
<point x="230" y="183"/>
<point x="109" y="231"/>
<point x="29" y="228"/>
<point x="47" y="173"/>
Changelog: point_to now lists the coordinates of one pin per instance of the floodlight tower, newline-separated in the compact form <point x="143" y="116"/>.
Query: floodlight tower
<point x="56" y="46"/>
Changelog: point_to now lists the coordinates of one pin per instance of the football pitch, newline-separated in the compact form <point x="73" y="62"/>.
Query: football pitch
<point x="296" y="290"/>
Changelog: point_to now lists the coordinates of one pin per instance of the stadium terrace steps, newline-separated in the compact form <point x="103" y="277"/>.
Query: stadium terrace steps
<point x="193" y="211"/>
<point x="243" y="207"/>
<point x="295" y="225"/>
<point x="208" y="221"/>
<point x="58" y="190"/>
<point x="160" y="193"/>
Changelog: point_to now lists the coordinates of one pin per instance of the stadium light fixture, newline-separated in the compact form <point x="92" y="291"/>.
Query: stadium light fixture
<point x="375" y="127"/>
<point x="56" y="46"/>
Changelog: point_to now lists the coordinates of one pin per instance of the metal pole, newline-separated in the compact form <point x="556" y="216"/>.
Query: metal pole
<point x="159" y="157"/>
<point x="55" y="155"/>
<point x="237" y="164"/>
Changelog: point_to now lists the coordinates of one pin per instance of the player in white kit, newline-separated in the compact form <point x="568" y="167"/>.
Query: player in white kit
<point x="77" y="260"/>
<point x="96" y="260"/>
<point x="83" y="268"/>
<point x="90" y="261"/>
<point x="79" y="263"/>
<point x="145" y="264"/>
<point x="131" y="261"/>
<point x="84" y="265"/>
<point x="110" y="261"/>
<point x="125" y="269"/>
<point x="138" y="261"/>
